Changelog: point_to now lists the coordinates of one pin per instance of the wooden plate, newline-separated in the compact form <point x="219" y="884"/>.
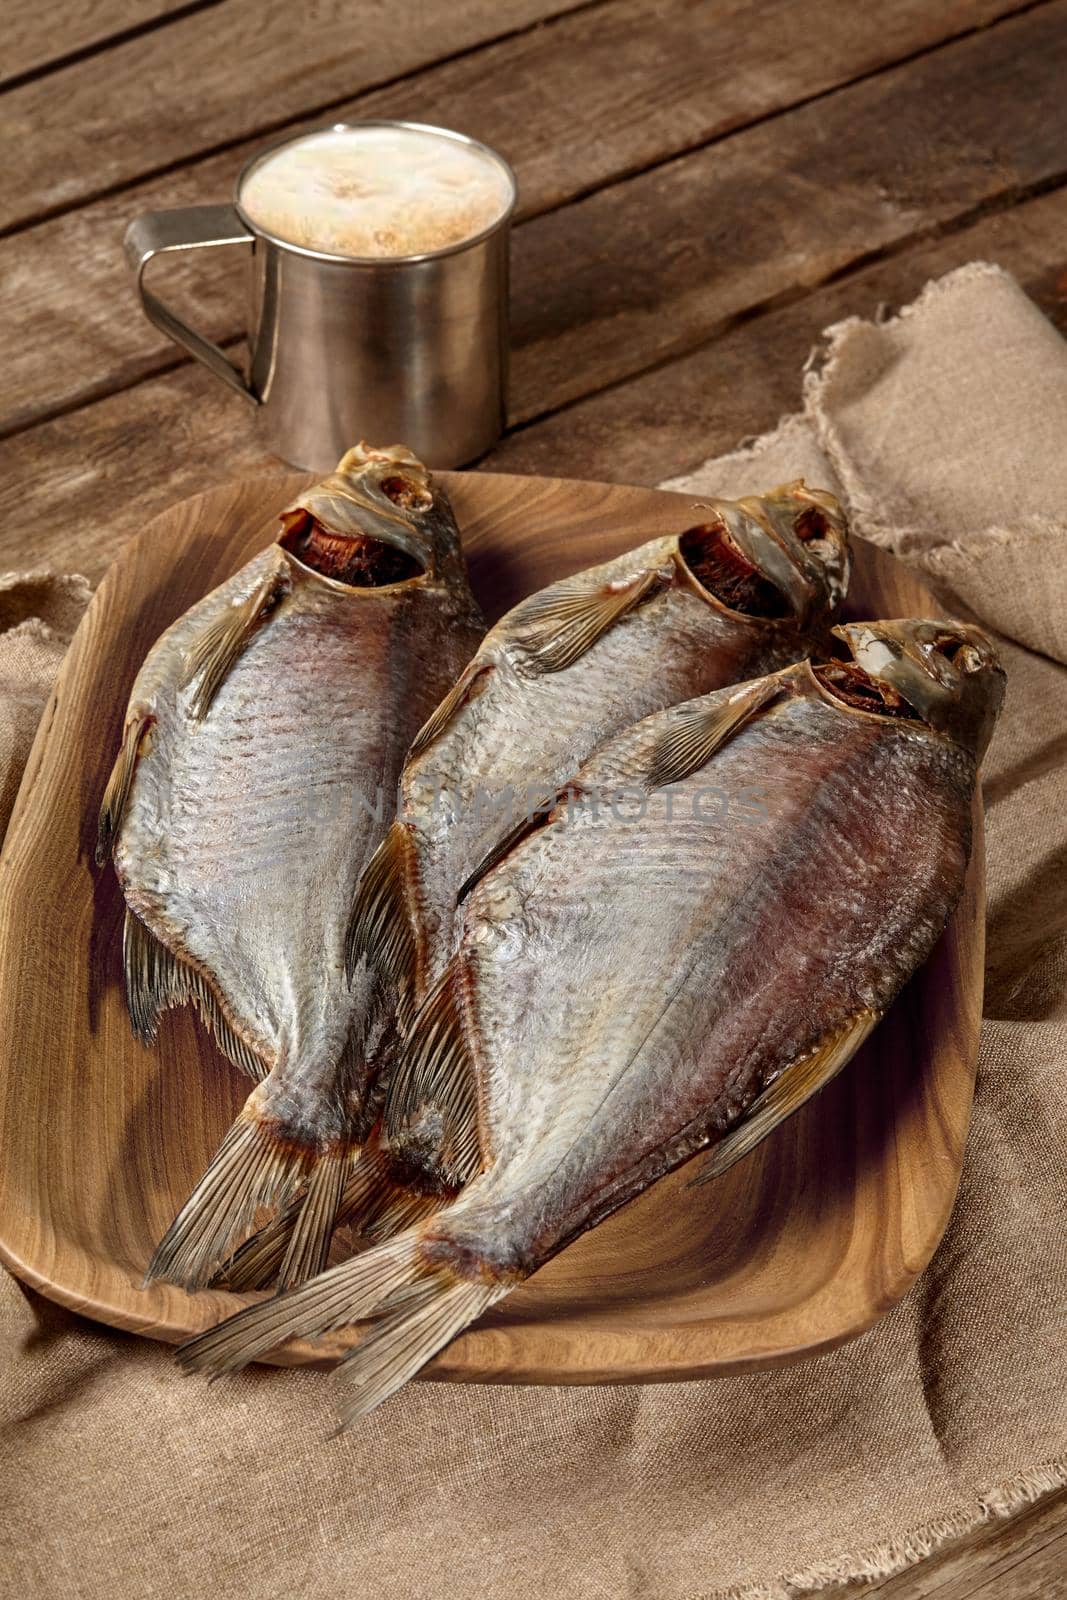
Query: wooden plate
<point x="796" y="1249"/>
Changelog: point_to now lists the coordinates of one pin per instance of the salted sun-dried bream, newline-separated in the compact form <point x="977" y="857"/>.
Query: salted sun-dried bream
<point x="643" y="977"/>
<point x="263" y="741"/>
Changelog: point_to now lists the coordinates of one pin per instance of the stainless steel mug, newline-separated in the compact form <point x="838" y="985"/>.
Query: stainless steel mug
<point x="409" y="349"/>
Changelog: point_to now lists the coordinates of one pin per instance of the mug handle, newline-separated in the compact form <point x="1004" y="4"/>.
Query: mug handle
<point x="188" y="228"/>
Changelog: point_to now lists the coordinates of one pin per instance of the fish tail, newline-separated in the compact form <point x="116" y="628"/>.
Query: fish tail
<point x="309" y="1241"/>
<point x="342" y="1295"/>
<point x="403" y="1342"/>
<point x="395" y="1209"/>
<point x="422" y="1304"/>
<point x="257" y="1166"/>
<point x="257" y="1263"/>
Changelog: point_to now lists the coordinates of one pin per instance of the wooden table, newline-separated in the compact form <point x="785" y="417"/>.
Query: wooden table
<point x="705" y="185"/>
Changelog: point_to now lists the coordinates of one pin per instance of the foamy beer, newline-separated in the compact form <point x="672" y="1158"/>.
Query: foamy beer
<point x="378" y="299"/>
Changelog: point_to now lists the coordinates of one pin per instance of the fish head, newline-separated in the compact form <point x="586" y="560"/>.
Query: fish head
<point x="378" y="519"/>
<point x="947" y="673"/>
<point x="783" y="556"/>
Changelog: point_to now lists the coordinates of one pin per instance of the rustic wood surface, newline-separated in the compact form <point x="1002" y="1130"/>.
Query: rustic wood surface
<point x="706" y="185"/>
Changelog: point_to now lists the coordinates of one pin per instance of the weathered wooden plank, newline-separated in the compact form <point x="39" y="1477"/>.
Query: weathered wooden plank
<point x="200" y="83"/>
<point x="98" y="475"/>
<point x="1021" y="1559"/>
<point x="653" y="266"/>
<point x="550" y="98"/>
<point x="35" y="36"/>
<point x="739" y="384"/>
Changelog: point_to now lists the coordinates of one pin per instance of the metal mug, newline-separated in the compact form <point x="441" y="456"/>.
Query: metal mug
<point x="409" y="349"/>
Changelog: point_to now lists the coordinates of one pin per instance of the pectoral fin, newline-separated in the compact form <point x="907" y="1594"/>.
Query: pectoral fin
<point x="791" y="1089"/>
<point x="692" y="738"/>
<point x="380" y="929"/>
<point x="557" y="626"/>
<point x="535" y="818"/>
<point x="467" y="686"/>
<point x="117" y="792"/>
<point x="212" y="656"/>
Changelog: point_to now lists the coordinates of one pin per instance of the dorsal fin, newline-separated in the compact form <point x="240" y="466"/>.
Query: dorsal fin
<point x="431" y="1110"/>
<point x="461" y="692"/>
<point x="693" y="736"/>
<point x="117" y="792"/>
<point x="561" y="623"/>
<point x="792" y="1088"/>
<point x="212" y="655"/>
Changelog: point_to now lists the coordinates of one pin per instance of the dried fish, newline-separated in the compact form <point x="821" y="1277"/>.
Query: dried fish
<point x="749" y="589"/>
<point x="263" y="742"/>
<point x="637" y="983"/>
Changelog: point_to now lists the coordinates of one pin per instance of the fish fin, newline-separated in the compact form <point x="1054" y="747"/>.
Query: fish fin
<point x="225" y="1035"/>
<point x="535" y="818"/>
<point x="431" y="1107"/>
<point x="342" y="1295"/>
<point x="117" y="792"/>
<point x="692" y="738"/>
<point x="425" y="1306"/>
<point x="394" y="1210"/>
<point x="156" y="979"/>
<point x="312" y="1228"/>
<point x="458" y="696"/>
<point x="380" y="928"/>
<point x="212" y="656"/>
<point x="401" y="1344"/>
<point x="256" y="1166"/>
<point x="792" y="1088"/>
<point x="557" y="626"/>
<point x="256" y="1263"/>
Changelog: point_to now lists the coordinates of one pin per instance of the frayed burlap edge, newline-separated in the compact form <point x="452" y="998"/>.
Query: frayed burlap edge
<point x="819" y="373"/>
<point x="894" y="1555"/>
<point x="41" y="604"/>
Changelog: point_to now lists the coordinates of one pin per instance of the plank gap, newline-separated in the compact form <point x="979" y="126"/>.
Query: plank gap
<point x="95" y="47"/>
<point x="322" y="108"/>
<point x="776" y="113"/>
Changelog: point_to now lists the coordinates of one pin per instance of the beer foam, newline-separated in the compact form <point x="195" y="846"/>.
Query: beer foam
<point x="376" y="191"/>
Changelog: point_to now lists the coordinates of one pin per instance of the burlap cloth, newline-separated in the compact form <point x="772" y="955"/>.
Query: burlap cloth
<point x="945" y="431"/>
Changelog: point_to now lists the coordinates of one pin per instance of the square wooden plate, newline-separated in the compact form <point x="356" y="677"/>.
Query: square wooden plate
<point x="799" y="1247"/>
